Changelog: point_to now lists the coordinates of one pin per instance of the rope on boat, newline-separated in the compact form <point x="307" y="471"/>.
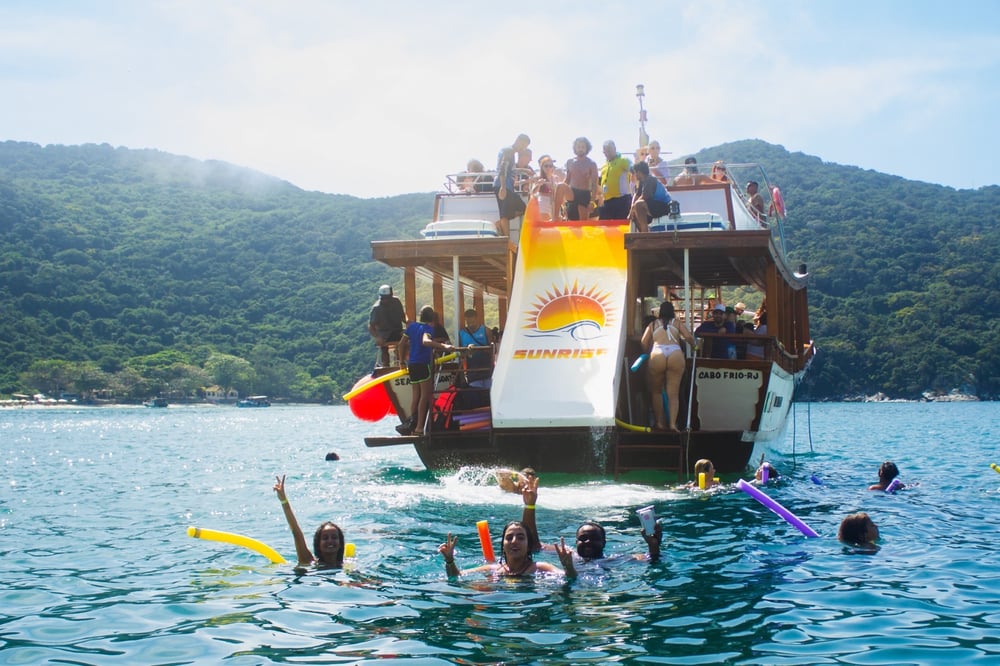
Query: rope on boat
<point x="687" y="430"/>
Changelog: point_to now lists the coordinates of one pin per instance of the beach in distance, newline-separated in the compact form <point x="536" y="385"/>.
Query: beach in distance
<point x="98" y="567"/>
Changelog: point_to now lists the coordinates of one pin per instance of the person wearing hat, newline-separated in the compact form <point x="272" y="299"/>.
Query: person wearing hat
<point x="386" y="321"/>
<point x="717" y="347"/>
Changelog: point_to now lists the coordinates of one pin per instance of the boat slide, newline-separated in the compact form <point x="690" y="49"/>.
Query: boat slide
<point x="560" y="356"/>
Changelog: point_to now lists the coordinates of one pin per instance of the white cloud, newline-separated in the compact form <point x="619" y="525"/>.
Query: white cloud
<point x="381" y="98"/>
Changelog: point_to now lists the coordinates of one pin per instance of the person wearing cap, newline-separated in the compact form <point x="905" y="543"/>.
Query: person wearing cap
<point x="386" y="322"/>
<point x="717" y="346"/>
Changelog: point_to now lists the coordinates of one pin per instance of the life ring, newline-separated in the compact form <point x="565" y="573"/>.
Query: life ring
<point x="764" y="499"/>
<point x="778" y="201"/>
<point x="236" y="540"/>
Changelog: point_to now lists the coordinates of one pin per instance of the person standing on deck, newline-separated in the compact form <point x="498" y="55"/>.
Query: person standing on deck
<point x="582" y="178"/>
<point x="755" y="201"/>
<point x="657" y="165"/>
<point x="509" y="202"/>
<point x="386" y="321"/>
<point x="615" y="184"/>
<point x="479" y="365"/>
<point x="717" y="346"/>
<point x="418" y="347"/>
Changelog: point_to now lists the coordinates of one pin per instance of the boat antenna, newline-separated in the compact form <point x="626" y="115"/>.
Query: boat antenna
<point x="640" y="92"/>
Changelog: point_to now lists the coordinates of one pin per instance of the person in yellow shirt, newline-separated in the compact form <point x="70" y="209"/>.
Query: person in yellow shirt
<point x="615" y="185"/>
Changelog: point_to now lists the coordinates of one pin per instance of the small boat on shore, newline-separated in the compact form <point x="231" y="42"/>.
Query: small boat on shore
<point x="157" y="403"/>
<point x="573" y="299"/>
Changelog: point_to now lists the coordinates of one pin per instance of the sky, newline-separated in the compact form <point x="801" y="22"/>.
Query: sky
<point x="376" y="98"/>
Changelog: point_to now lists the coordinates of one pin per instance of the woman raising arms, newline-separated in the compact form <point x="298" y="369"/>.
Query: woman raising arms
<point x="515" y="556"/>
<point x="328" y="541"/>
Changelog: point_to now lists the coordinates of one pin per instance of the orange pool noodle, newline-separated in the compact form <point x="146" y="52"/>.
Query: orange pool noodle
<point x="485" y="541"/>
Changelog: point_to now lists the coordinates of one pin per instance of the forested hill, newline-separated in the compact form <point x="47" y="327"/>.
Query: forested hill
<point x="140" y="269"/>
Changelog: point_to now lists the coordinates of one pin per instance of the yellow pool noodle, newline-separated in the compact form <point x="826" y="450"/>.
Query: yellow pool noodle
<point x="402" y="372"/>
<point x="237" y="540"/>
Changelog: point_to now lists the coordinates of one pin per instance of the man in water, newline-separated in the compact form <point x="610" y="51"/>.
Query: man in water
<point x="590" y="536"/>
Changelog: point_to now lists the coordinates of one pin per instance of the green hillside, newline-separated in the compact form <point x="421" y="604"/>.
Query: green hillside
<point x="138" y="270"/>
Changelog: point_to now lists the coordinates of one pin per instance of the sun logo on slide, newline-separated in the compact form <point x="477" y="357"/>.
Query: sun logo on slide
<point x="581" y="314"/>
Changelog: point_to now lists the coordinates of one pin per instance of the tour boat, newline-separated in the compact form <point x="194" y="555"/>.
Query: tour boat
<point x="253" y="401"/>
<point x="572" y="300"/>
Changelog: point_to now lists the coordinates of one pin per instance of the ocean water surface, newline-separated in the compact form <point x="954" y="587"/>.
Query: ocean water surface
<point x="97" y="567"/>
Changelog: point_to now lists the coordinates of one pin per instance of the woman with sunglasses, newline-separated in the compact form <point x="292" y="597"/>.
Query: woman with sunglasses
<point x="549" y="189"/>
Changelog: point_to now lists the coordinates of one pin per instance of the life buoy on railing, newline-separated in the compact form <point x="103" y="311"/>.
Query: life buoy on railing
<point x="777" y="202"/>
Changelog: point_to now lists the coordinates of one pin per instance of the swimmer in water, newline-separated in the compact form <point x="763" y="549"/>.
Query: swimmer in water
<point x="328" y="541"/>
<point x="858" y="530"/>
<point x="704" y="466"/>
<point x="514" y="482"/>
<point x="772" y="473"/>
<point x="590" y="536"/>
<point x="515" y="556"/>
<point x="887" y="471"/>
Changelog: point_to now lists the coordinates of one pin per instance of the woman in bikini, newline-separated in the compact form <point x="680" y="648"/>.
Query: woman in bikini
<point x="661" y="340"/>
<point x="515" y="556"/>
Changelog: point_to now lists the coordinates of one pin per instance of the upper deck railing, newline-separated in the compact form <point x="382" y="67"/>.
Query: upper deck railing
<point x="684" y="182"/>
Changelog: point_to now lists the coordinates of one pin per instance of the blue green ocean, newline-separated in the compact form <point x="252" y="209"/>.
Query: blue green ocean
<point x="97" y="567"/>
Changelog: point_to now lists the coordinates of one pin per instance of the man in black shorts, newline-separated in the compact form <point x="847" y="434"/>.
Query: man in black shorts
<point x="509" y="202"/>
<point x="651" y="199"/>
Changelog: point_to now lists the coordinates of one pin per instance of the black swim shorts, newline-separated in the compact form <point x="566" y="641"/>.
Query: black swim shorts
<point x="511" y="206"/>
<point x="419" y="372"/>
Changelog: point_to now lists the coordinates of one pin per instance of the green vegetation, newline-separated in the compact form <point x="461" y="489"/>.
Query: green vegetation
<point x="143" y="272"/>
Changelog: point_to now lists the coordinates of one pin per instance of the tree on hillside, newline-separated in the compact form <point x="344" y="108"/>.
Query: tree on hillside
<point x="231" y="372"/>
